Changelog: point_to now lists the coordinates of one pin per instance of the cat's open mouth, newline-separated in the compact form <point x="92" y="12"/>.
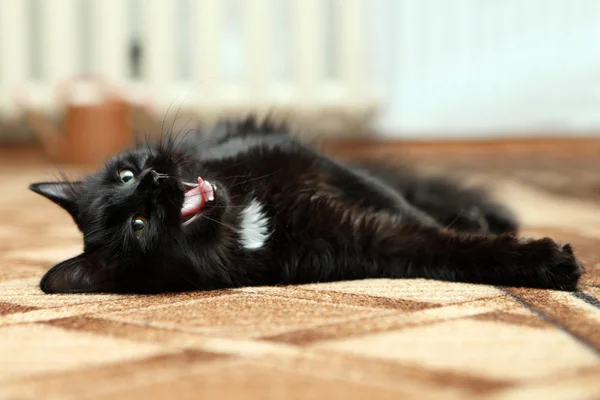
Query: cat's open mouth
<point x="197" y="197"/>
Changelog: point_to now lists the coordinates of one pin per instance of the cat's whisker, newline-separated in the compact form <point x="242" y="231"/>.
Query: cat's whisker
<point x="460" y="213"/>
<point x="162" y="126"/>
<point x="191" y="148"/>
<point x="186" y="133"/>
<point x="231" y="206"/>
<point x="254" y="179"/>
<point x="177" y="115"/>
<point x="234" y="177"/>
<point x="194" y="284"/>
<point x="220" y="223"/>
<point x="161" y="175"/>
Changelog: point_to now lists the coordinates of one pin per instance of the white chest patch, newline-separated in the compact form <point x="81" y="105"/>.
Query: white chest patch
<point x="254" y="230"/>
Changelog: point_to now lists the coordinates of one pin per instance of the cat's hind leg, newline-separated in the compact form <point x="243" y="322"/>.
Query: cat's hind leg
<point x="452" y="204"/>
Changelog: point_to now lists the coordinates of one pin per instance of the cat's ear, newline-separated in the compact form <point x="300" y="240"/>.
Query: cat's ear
<point x="64" y="194"/>
<point x="81" y="274"/>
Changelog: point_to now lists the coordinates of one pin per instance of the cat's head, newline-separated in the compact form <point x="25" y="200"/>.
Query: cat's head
<point x="148" y="224"/>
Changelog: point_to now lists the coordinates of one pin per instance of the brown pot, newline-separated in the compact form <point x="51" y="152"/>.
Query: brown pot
<point x="96" y="122"/>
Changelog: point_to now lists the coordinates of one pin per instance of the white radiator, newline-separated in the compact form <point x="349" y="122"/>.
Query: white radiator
<point x="209" y="55"/>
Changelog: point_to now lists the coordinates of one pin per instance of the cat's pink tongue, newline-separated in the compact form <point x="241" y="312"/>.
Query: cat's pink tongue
<point x="196" y="197"/>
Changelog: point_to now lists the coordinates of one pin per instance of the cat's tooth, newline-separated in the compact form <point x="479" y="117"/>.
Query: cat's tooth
<point x="211" y="195"/>
<point x="210" y="192"/>
<point x="188" y="184"/>
<point x="189" y="221"/>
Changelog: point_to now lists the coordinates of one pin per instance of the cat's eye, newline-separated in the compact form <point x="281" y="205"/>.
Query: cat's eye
<point x="139" y="226"/>
<point x="127" y="176"/>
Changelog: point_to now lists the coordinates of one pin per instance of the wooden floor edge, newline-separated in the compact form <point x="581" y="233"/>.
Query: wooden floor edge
<point x="566" y="146"/>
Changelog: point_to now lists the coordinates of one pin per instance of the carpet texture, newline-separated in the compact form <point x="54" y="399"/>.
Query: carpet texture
<point x="379" y="339"/>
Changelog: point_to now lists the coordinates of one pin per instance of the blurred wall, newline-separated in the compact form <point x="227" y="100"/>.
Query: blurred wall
<point x="481" y="68"/>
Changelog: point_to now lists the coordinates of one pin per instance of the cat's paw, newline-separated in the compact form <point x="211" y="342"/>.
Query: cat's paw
<point x="556" y="266"/>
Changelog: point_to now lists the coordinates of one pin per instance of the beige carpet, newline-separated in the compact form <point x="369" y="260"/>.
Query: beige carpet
<point x="378" y="339"/>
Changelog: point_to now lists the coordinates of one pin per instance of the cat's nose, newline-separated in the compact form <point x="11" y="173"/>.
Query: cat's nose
<point x="149" y="178"/>
<point x="155" y="176"/>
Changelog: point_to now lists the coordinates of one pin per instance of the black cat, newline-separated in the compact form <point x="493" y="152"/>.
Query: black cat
<point x="251" y="205"/>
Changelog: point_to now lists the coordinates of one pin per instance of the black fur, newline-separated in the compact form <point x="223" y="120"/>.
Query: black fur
<point x="327" y="220"/>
